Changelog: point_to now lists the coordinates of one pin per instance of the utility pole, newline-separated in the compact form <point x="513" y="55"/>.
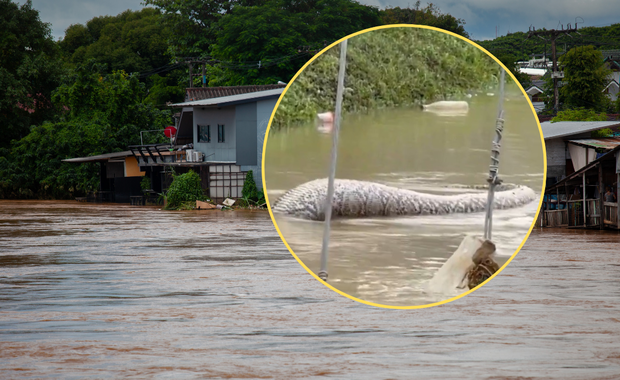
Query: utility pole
<point x="555" y="74"/>
<point x="204" y="63"/>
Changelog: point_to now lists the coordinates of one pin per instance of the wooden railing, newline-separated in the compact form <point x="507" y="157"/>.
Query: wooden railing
<point x="555" y="218"/>
<point x="610" y="211"/>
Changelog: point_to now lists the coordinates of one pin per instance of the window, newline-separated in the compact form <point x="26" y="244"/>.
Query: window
<point x="220" y="133"/>
<point x="204" y="133"/>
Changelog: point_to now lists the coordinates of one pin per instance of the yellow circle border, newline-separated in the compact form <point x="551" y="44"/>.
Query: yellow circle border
<point x="542" y="194"/>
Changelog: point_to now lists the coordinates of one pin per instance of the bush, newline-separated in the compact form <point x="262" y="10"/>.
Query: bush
<point x="250" y="191"/>
<point x="184" y="188"/>
<point x="579" y="114"/>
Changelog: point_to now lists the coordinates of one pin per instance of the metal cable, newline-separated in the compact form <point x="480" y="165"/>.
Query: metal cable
<point x="493" y="178"/>
<point x="332" y="173"/>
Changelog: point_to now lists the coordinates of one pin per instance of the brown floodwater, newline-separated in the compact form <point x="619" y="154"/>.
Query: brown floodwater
<point x="390" y="261"/>
<point x="113" y="291"/>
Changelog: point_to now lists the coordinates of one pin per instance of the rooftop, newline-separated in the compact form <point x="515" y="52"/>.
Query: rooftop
<point x="233" y="99"/>
<point x="200" y="93"/>
<point x="606" y="143"/>
<point x="566" y="128"/>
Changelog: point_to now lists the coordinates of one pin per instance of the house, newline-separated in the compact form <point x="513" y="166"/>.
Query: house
<point x="120" y="176"/>
<point x="535" y="93"/>
<point x="569" y="145"/>
<point x="579" y="171"/>
<point x="219" y="134"/>
<point x="586" y="198"/>
<point x="226" y="127"/>
<point x="612" y="62"/>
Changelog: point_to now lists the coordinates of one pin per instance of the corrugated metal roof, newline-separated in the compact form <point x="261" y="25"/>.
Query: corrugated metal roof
<point x="101" y="157"/>
<point x="567" y="128"/>
<point x="608" y="143"/>
<point x="224" y="100"/>
<point x="200" y="93"/>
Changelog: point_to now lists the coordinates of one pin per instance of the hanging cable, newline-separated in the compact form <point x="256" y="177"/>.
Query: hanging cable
<point x="332" y="172"/>
<point x="493" y="178"/>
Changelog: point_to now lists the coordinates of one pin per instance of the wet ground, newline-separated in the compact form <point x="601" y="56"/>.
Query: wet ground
<point x="109" y="291"/>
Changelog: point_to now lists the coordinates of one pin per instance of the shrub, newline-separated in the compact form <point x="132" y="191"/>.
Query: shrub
<point x="184" y="188"/>
<point x="250" y="191"/>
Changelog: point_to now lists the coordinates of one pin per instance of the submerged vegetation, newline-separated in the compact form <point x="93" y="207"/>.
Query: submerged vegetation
<point x="388" y="68"/>
<point x="184" y="191"/>
<point x="251" y="195"/>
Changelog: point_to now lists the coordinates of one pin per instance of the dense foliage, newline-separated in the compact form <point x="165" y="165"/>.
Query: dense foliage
<point x="268" y="38"/>
<point x="579" y="114"/>
<point x="517" y="44"/>
<point x="388" y="68"/>
<point x="183" y="189"/>
<point x="29" y="70"/>
<point x="265" y="41"/>
<point x="98" y="114"/>
<point x="430" y="15"/>
<point x="133" y="41"/>
<point x="585" y="77"/>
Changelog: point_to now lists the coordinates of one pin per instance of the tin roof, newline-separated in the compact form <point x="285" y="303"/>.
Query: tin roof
<point x="101" y="157"/>
<point x="566" y="128"/>
<point x="200" y="93"/>
<point x="607" y="143"/>
<point x="233" y="99"/>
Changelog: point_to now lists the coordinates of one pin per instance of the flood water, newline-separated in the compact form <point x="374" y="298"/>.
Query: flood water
<point x="112" y="291"/>
<point x="390" y="260"/>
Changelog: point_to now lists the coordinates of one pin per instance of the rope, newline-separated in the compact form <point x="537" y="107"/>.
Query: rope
<point x="493" y="178"/>
<point x="332" y="173"/>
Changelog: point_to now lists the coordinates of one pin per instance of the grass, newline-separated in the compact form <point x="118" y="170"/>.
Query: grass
<point x="388" y="68"/>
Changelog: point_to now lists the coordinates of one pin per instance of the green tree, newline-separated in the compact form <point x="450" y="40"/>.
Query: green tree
<point x="430" y="15"/>
<point x="133" y="41"/>
<point x="585" y="78"/>
<point x="266" y="39"/>
<point x="101" y="114"/>
<point x="194" y="23"/>
<point x="29" y="70"/>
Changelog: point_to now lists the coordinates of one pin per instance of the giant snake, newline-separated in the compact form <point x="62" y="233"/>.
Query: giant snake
<point x="368" y="199"/>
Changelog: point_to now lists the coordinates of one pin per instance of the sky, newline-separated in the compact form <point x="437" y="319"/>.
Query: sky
<point x="482" y="17"/>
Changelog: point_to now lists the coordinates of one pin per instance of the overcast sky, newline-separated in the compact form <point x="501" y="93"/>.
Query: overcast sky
<point x="481" y="16"/>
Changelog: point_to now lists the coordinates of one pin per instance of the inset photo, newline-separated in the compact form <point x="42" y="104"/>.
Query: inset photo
<point x="403" y="166"/>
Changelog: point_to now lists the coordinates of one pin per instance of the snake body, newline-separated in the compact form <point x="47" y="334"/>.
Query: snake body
<point x="368" y="199"/>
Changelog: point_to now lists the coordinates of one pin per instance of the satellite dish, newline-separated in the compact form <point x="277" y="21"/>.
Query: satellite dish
<point x="170" y="131"/>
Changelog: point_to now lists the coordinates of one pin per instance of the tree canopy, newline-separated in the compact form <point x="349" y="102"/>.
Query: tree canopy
<point x="266" y="40"/>
<point x="133" y="41"/>
<point x="29" y="70"/>
<point x="585" y="78"/>
<point x="100" y="113"/>
<point x="430" y="15"/>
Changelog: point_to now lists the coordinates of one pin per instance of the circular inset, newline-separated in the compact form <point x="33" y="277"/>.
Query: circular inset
<point x="423" y="111"/>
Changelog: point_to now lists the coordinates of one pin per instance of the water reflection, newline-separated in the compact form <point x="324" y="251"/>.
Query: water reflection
<point x="389" y="261"/>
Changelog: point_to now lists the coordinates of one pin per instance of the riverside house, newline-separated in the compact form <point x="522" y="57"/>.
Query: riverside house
<point x="583" y="176"/>
<point x="219" y="134"/>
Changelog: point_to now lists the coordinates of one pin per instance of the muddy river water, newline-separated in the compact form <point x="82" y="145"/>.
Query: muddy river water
<point x="390" y="260"/>
<point x="113" y="291"/>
